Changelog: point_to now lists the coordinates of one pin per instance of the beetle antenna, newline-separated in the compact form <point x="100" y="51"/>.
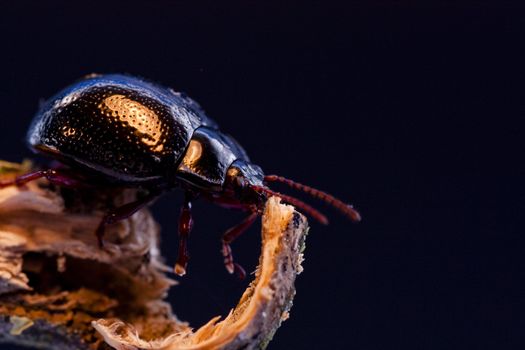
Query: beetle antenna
<point x="344" y="208"/>
<point x="316" y="214"/>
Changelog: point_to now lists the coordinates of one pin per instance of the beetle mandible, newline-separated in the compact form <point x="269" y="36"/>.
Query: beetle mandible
<point x="125" y="131"/>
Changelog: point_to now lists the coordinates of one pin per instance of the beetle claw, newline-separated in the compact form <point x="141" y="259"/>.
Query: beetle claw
<point x="228" y="259"/>
<point x="241" y="273"/>
<point x="179" y="270"/>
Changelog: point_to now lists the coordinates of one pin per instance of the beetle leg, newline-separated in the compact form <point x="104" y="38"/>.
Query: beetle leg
<point x="228" y="237"/>
<point x="121" y="213"/>
<point x="55" y="176"/>
<point x="185" y="227"/>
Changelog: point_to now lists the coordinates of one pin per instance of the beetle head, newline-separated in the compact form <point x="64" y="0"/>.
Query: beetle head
<point x="247" y="183"/>
<point x="242" y="180"/>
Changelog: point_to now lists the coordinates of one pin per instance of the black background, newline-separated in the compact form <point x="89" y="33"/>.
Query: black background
<point x="412" y="113"/>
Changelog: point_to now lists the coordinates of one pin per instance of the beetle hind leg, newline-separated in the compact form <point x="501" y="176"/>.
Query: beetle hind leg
<point x="57" y="177"/>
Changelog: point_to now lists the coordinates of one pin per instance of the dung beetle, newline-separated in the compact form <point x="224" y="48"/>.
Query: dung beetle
<point x="125" y="131"/>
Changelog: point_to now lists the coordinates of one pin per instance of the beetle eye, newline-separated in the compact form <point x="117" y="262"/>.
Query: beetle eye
<point x="233" y="172"/>
<point x="237" y="178"/>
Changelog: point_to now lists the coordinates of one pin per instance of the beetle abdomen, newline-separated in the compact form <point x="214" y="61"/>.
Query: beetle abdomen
<point x="119" y="126"/>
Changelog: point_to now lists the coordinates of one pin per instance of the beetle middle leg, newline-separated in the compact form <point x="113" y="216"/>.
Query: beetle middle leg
<point x="228" y="237"/>
<point x="185" y="227"/>
<point x="121" y="213"/>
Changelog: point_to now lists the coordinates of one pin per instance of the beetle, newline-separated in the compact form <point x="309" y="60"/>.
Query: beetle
<point x="126" y="131"/>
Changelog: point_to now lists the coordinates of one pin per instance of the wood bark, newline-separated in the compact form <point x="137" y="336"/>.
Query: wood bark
<point x="59" y="290"/>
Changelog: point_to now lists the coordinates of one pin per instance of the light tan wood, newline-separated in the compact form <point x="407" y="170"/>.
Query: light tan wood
<point x="97" y="299"/>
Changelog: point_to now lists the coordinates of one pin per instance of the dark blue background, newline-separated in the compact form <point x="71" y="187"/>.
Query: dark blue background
<point x="413" y="113"/>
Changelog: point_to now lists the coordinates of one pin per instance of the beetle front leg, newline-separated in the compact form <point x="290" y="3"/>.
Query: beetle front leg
<point x="228" y="237"/>
<point x="185" y="227"/>
<point x="122" y="213"/>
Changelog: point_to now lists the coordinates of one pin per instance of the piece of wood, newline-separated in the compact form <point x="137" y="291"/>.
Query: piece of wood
<point x="59" y="290"/>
